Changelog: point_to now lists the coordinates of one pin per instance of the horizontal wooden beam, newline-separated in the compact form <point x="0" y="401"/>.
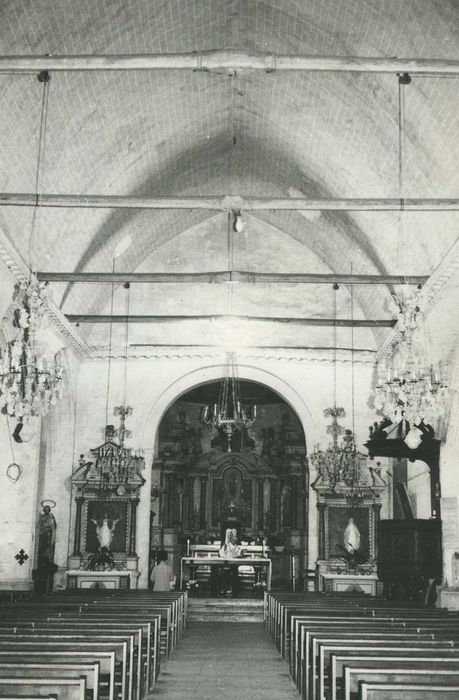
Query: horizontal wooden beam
<point x="224" y="277"/>
<point x="228" y="60"/>
<point x="344" y="322"/>
<point x="226" y="203"/>
<point x="254" y="347"/>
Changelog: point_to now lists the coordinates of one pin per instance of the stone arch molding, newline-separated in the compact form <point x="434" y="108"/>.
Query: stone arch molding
<point x="210" y="373"/>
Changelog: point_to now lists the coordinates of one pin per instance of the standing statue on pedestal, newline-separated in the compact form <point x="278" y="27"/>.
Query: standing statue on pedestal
<point x="43" y="574"/>
<point x="46" y="537"/>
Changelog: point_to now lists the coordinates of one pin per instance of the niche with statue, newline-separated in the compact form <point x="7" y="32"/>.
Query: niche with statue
<point x="107" y="490"/>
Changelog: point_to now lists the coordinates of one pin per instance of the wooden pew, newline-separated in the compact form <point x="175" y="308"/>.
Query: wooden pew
<point x="300" y="624"/>
<point x="322" y="647"/>
<point x="98" y="618"/>
<point x="299" y="629"/>
<point x="119" y="649"/>
<point x="26" y="669"/>
<point x="83" y="631"/>
<point x="64" y="688"/>
<point x="406" y="691"/>
<point x="104" y="659"/>
<point x="148" y="668"/>
<point x="379" y="658"/>
<point x="38" y="637"/>
<point x="80" y="616"/>
<point x="352" y="676"/>
<point x="340" y="627"/>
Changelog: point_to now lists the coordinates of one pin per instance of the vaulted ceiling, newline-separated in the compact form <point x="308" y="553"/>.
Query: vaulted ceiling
<point x="250" y="133"/>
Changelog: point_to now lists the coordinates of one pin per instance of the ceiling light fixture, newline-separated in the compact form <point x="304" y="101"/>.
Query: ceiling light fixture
<point x="410" y="391"/>
<point x="238" y="224"/>
<point x="30" y="373"/>
<point x="229" y="413"/>
<point x="342" y="470"/>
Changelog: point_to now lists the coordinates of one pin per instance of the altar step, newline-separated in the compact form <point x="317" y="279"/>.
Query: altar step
<point x="225" y="610"/>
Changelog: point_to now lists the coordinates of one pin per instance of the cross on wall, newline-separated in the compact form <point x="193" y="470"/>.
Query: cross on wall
<point x="21" y="556"/>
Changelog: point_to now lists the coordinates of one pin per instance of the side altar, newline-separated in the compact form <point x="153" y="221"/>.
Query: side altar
<point x="106" y="491"/>
<point x="348" y="503"/>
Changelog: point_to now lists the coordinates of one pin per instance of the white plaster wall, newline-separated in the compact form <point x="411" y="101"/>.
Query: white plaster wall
<point x="18" y="507"/>
<point x="449" y="481"/>
<point x="57" y="460"/>
<point x="418" y="486"/>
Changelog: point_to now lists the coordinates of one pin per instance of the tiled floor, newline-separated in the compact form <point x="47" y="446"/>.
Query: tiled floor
<point x="216" y="660"/>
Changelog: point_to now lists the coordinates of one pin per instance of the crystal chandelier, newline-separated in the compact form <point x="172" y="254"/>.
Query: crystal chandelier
<point x="228" y="413"/>
<point x="342" y="469"/>
<point x="30" y="380"/>
<point x="410" y="391"/>
<point x="409" y="388"/>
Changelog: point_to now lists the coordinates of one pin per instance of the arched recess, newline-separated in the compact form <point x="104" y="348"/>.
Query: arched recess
<point x="178" y="387"/>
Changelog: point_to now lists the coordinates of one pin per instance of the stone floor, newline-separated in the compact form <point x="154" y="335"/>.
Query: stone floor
<point x="220" y="660"/>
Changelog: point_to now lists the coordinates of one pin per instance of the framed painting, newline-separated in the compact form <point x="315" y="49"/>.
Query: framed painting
<point x="106" y="526"/>
<point x="338" y="519"/>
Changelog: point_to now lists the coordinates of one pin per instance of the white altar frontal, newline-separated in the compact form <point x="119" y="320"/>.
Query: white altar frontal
<point x="368" y="584"/>
<point x="191" y="566"/>
<point x="123" y="580"/>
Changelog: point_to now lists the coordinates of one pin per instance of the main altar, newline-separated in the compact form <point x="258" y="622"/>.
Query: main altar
<point x="197" y="569"/>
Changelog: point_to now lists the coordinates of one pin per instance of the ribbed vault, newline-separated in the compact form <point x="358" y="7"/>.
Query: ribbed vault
<point x="251" y="133"/>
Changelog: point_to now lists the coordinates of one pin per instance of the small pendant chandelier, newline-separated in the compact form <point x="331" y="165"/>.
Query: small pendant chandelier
<point x="342" y="469"/>
<point x="229" y="413"/>
<point x="30" y="373"/>
<point x="30" y="381"/>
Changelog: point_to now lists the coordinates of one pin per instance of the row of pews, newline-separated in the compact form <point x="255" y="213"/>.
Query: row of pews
<point x="356" y="647"/>
<point x="88" y="645"/>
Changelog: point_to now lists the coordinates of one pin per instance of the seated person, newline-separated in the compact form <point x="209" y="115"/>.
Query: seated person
<point x="231" y="549"/>
<point x="226" y="578"/>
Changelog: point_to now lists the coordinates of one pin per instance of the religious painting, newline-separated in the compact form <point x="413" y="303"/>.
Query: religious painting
<point x="106" y="526"/>
<point x="232" y="498"/>
<point x="344" y="520"/>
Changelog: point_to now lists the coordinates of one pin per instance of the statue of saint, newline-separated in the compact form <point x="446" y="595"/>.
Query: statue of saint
<point x="351" y="537"/>
<point x="286" y="506"/>
<point x="104" y="531"/>
<point x="46" y="538"/>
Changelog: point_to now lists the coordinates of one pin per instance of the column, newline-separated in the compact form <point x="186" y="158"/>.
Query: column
<point x="196" y="484"/>
<point x="266" y="495"/>
<point x="133" y="528"/>
<point x="77" y="537"/>
<point x="203" y="503"/>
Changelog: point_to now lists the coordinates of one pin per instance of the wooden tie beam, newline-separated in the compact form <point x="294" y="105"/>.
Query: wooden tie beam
<point x="226" y="203"/>
<point x="225" y="277"/>
<point x="341" y="322"/>
<point x="230" y="61"/>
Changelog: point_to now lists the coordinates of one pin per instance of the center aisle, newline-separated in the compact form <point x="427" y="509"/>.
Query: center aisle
<point x="216" y="660"/>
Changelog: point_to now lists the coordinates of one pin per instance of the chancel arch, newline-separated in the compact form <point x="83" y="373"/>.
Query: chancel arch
<point x="269" y="459"/>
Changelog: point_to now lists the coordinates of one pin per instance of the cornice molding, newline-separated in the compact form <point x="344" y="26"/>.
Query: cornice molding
<point x="16" y="265"/>
<point x="244" y="355"/>
<point x="432" y="291"/>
